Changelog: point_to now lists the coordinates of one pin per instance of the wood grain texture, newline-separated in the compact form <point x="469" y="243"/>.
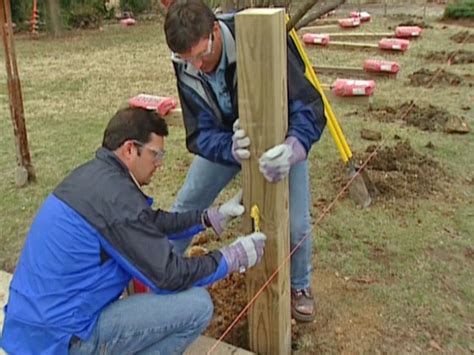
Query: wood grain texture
<point x="263" y="111"/>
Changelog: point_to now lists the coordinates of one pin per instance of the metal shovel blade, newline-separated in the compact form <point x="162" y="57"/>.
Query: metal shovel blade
<point x="358" y="189"/>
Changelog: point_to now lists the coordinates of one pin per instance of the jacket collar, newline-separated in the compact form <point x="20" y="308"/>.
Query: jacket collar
<point x="111" y="158"/>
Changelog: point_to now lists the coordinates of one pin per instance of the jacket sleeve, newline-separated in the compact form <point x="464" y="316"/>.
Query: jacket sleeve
<point x="139" y="247"/>
<point x="179" y="225"/>
<point x="305" y="105"/>
<point x="204" y="135"/>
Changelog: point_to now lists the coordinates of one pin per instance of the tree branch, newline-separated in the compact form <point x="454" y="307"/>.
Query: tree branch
<point x="300" y="13"/>
<point x="322" y="11"/>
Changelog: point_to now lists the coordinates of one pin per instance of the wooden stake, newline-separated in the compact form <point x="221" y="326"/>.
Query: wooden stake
<point x="320" y="29"/>
<point x="352" y="72"/>
<point x="352" y="45"/>
<point x="263" y="111"/>
<point x="25" y="171"/>
<point x="361" y="35"/>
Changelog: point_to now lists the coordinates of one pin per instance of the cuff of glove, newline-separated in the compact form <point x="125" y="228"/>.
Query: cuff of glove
<point x="298" y="151"/>
<point x="231" y="259"/>
<point x="212" y="218"/>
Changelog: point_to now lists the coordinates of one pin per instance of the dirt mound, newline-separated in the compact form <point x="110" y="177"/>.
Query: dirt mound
<point x="401" y="172"/>
<point x="419" y="23"/>
<point x="429" y="118"/>
<point x="459" y="57"/>
<point x="461" y="37"/>
<point x="229" y="297"/>
<point x="424" y="77"/>
<point x="409" y="20"/>
<point x="398" y="172"/>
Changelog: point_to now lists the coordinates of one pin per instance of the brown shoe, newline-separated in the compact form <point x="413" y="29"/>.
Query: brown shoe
<point x="303" y="308"/>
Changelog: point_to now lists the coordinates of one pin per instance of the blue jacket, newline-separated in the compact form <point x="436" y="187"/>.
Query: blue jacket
<point x="90" y="237"/>
<point x="209" y="130"/>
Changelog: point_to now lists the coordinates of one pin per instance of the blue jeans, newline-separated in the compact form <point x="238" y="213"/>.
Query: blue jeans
<point x="205" y="180"/>
<point x="149" y="324"/>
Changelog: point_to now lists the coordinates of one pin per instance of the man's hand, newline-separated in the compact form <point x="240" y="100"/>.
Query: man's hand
<point x="276" y="162"/>
<point x="236" y="125"/>
<point x="219" y="217"/>
<point x="245" y="252"/>
<point x="240" y="145"/>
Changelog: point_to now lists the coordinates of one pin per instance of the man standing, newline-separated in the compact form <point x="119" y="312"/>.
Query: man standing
<point x="204" y="57"/>
<point x="96" y="232"/>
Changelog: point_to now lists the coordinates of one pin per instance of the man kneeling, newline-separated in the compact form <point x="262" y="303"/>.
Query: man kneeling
<point x="94" y="233"/>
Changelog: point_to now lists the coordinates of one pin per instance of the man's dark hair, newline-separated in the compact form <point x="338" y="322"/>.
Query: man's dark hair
<point x="133" y="124"/>
<point x="186" y="23"/>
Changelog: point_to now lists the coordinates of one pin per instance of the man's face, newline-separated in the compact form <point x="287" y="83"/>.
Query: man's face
<point x="148" y="157"/>
<point x="206" y="54"/>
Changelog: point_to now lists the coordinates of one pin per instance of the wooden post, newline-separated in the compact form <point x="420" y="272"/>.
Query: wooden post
<point x="263" y="111"/>
<point x="25" y="171"/>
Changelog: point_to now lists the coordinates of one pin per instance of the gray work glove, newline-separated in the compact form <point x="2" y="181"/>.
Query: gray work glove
<point x="245" y="252"/>
<point x="218" y="217"/>
<point x="276" y="162"/>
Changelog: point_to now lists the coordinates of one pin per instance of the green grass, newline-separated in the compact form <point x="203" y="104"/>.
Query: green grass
<point x="460" y="9"/>
<point x="415" y="255"/>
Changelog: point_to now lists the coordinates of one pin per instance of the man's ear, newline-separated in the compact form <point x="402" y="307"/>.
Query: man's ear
<point x="126" y="150"/>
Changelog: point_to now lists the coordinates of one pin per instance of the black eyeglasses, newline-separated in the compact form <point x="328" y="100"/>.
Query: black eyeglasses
<point x="158" y="153"/>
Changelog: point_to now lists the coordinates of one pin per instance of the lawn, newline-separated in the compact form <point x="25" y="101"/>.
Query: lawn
<point x="393" y="278"/>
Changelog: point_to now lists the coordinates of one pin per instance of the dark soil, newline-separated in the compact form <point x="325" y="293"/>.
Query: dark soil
<point x="229" y="297"/>
<point x="429" y="118"/>
<point x="459" y="57"/>
<point x="461" y="37"/>
<point x="399" y="172"/>
<point x="426" y="77"/>
<point x="402" y="172"/>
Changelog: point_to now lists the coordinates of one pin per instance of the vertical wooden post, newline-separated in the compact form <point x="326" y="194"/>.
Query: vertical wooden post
<point x="263" y="111"/>
<point x="25" y="171"/>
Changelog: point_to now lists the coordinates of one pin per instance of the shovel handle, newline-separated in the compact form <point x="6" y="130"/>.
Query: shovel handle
<point x="333" y="125"/>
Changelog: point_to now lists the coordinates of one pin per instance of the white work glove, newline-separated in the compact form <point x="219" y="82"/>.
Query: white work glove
<point x="236" y="125"/>
<point x="218" y="217"/>
<point x="245" y="252"/>
<point x="276" y="162"/>
<point x="240" y="145"/>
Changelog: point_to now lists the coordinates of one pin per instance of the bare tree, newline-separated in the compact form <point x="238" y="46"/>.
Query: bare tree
<point x="53" y="14"/>
<point x="324" y="9"/>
